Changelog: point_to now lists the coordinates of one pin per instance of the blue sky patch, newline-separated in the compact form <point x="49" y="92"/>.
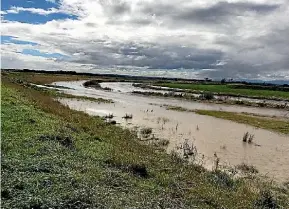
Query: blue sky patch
<point x="33" y="18"/>
<point x="28" y="17"/>
<point x="5" y="5"/>
<point x="35" y="52"/>
<point x="14" y="40"/>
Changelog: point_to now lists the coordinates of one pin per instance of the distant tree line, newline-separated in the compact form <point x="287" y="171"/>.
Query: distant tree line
<point x="261" y="85"/>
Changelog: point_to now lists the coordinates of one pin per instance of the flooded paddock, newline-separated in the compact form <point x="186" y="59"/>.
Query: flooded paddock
<point x="269" y="152"/>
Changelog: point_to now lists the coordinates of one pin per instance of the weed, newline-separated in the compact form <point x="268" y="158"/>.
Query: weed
<point x="109" y="116"/>
<point x="266" y="201"/>
<point x="251" y="137"/>
<point x="176" y="157"/>
<point x="207" y="96"/>
<point x="245" y="136"/>
<point x="239" y="102"/>
<point x="146" y="131"/>
<point x="216" y="162"/>
<point x="127" y="116"/>
<point x="248" y="137"/>
<point x="66" y="141"/>
<point x="222" y="178"/>
<point x="92" y="83"/>
<point x="107" y="89"/>
<point x="247" y="168"/>
<point x="162" y="143"/>
<point x="137" y="169"/>
<point x="189" y="150"/>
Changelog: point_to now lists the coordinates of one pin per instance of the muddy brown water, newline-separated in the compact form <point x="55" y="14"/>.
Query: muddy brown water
<point x="269" y="153"/>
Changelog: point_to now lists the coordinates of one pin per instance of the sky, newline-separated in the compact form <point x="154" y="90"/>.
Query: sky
<point x="240" y="39"/>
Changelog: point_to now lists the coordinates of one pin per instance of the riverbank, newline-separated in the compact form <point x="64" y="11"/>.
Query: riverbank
<point x="210" y="98"/>
<point x="262" y="92"/>
<point x="64" y="158"/>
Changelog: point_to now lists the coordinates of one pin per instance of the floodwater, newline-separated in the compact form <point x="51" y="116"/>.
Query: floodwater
<point x="269" y="152"/>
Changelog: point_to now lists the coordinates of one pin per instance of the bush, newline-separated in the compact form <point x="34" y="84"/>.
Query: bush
<point x="146" y="131"/>
<point x="247" y="168"/>
<point x="207" y="96"/>
<point x="92" y="83"/>
<point x="266" y="201"/>
<point x="222" y="179"/>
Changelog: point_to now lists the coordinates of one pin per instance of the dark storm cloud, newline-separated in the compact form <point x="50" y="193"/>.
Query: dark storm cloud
<point x="151" y="55"/>
<point x="222" y="12"/>
<point x="218" y="13"/>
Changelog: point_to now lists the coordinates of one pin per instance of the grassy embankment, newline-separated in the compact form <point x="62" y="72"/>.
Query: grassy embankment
<point x="273" y="124"/>
<point x="45" y="79"/>
<point x="54" y="157"/>
<point x="228" y="89"/>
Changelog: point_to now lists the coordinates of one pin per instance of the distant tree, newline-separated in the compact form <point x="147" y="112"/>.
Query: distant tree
<point x="223" y="80"/>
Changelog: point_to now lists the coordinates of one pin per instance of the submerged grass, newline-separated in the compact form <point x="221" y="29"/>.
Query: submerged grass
<point x="273" y="124"/>
<point x="70" y="96"/>
<point x="228" y="89"/>
<point x="55" y="157"/>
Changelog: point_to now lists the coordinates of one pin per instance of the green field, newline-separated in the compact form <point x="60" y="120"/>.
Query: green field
<point x="228" y="89"/>
<point x="55" y="157"/>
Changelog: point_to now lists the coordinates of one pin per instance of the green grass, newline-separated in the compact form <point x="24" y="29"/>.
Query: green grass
<point x="272" y="124"/>
<point x="54" y="157"/>
<point x="228" y="89"/>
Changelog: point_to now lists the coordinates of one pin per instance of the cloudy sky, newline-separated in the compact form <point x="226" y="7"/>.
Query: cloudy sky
<point x="177" y="38"/>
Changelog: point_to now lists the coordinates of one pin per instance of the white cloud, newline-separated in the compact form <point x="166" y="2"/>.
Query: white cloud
<point x="231" y="38"/>
<point x="16" y="10"/>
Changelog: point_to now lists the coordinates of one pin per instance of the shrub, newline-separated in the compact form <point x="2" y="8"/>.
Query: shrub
<point x="146" y="131"/>
<point x="207" y="96"/>
<point x="247" y="168"/>
<point x="267" y="201"/>
<point x="92" y="83"/>
<point x="222" y="179"/>
<point x="245" y="137"/>
<point x="127" y="116"/>
<point x="109" y="116"/>
<point x="251" y="137"/>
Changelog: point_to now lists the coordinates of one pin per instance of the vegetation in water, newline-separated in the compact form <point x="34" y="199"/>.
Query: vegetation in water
<point x="230" y="89"/>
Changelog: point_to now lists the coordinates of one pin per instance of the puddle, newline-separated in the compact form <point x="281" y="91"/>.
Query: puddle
<point x="210" y="135"/>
